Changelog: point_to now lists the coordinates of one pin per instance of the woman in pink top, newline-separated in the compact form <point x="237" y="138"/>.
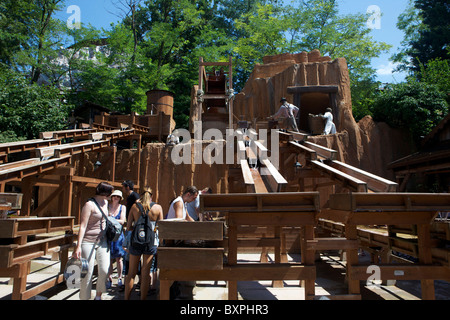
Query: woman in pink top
<point x="92" y="244"/>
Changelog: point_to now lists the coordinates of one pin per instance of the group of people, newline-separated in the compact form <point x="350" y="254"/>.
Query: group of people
<point x="290" y="112"/>
<point x="93" y="246"/>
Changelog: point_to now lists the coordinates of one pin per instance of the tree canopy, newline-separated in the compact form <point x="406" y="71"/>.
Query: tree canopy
<point x="157" y="45"/>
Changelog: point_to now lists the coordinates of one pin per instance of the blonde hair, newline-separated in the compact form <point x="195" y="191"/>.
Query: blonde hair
<point x="146" y="198"/>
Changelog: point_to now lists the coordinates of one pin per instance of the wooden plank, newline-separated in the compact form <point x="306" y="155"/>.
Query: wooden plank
<point x="319" y="88"/>
<point x="241" y="152"/>
<point x="296" y="219"/>
<point x="275" y="179"/>
<point x="262" y="150"/>
<point x="27" y="145"/>
<point x="18" y="173"/>
<point x="309" y="153"/>
<point x="391" y="201"/>
<point x="173" y="258"/>
<point x="374" y="182"/>
<point x="17" y="254"/>
<point x="244" y="272"/>
<point x="270" y="202"/>
<point x="404" y="272"/>
<point x="259" y="184"/>
<point x="65" y="150"/>
<point x="18" y="164"/>
<point x="50" y="283"/>
<point x="16" y="227"/>
<point x="331" y="244"/>
<point x="65" y="133"/>
<point x="347" y="180"/>
<point x="377" y="217"/>
<point x="322" y="151"/>
<point x="259" y="242"/>
<point x="246" y="173"/>
<point x="298" y="136"/>
<point x="183" y="230"/>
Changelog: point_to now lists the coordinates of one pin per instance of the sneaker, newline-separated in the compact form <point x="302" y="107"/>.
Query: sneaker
<point x="120" y="285"/>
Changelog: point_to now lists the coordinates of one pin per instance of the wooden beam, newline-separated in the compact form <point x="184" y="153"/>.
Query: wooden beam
<point x="307" y="89"/>
<point x="275" y="179"/>
<point x="374" y="183"/>
<point x="264" y="202"/>
<point x="322" y="151"/>
<point x="182" y="230"/>
<point x="192" y="258"/>
<point x="347" y="180"/>
<point x="245" y="272"/>
<point x="27" y="145"/>
<point x="404" y="272"/>
<point x="309" y="153"/>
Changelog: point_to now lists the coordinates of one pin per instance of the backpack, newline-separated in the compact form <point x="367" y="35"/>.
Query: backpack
<point x="113" y="228"/>
<point x="143" y="234"/>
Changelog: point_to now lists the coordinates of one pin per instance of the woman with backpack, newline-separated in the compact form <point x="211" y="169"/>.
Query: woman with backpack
<point x="92" y="244"/>
<point x="143" y="241"/>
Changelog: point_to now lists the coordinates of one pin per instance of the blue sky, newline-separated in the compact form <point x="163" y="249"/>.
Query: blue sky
<point x="101" y="13"/>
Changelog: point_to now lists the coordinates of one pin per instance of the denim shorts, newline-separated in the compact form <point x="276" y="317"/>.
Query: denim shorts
<point x="150" y="251"/>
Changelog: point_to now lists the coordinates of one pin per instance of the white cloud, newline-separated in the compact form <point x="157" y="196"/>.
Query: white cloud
<point x="386" y="70"/>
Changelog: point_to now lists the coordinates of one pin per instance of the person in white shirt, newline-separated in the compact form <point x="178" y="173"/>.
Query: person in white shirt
<point x="177" y="208"/>
<point x="193" y="208"/>
<point x="330" y="127"/>
<point x="288" y="111"/>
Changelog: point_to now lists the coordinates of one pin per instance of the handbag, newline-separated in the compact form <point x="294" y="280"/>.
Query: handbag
<point x="113" y="228"/>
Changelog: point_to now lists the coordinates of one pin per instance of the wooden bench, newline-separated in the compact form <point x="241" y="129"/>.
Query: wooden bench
<point x="30" y="238"/>
<point x="391" y="209"/>
<point x="274" y="210"/>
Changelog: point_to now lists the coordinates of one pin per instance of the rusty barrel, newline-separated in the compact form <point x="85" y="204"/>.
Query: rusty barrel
<point x="160" y="101"/>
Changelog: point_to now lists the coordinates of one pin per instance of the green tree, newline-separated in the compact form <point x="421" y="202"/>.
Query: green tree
<point x="427" y="34"/>
<point x="27" y="109"/>
<point x="413" y="105"/>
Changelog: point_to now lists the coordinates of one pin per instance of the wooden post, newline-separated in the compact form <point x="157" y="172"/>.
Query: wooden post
<point x="138" y="167"/>
<point x="308" y="260"/>
<point x="67" y="200"/>
<point x="113" y="164"/>
<point x="27" y="190"/>
<point x="277" y="234"/>
<point x="425" y="257"/>
<point x="200" y="87"/>
<point x="232" y="257"/>
<point x="164" y="289"/>
<point x="352" y="259"/>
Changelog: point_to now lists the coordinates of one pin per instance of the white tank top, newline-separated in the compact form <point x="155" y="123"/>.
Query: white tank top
<point x="171" y="213"/>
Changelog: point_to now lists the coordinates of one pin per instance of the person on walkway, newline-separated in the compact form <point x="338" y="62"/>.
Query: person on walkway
<point x="132" y="196"/>
<point x="330" y="127"/>
<point x="118" y="211"/>
<point x="288" y="111"/>
<point x="155" y="213"/>
<point x="92" y="244"/>
<point x="177" y="209"/>
<point x="193" y="207"/>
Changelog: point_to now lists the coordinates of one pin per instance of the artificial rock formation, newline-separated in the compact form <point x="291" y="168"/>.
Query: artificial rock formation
<point x="367" y="145"/>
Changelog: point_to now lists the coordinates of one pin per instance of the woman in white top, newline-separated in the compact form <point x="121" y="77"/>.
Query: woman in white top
<point x="177" y="208"/>
<point x="92" y="244"/>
